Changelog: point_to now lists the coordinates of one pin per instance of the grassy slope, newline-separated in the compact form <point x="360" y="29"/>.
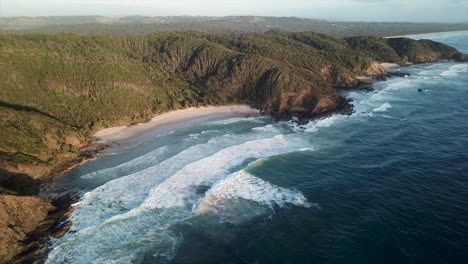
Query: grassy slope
<point x="57" y="89"/>
<point x="402" y="50"/>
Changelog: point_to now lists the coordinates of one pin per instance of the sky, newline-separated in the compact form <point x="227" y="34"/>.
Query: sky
<point x="351" y="10"/>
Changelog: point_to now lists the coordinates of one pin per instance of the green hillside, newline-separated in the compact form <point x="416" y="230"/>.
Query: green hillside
<point x="56" y="90"/>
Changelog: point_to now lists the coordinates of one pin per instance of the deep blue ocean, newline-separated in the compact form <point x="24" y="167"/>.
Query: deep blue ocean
<point x="388" y="184"/>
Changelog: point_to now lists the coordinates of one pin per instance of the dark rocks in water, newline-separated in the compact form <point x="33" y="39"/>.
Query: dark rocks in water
<point x="304" y="108"/>
<point x="368" y="85"/>
<point x="29" y="224"/>
<point x="62" y="229"/>
<point x="460" y="57"/>
<point x="27" y="221"/>
<point x="464" y="57"/>
<point x="397" y="74"/>
<point x="360" y="85"/>
<point x="346" y="107"/>
<point x="301" y="117"/>
<point x="392" y="74"/>
<point x="87" y="152"/>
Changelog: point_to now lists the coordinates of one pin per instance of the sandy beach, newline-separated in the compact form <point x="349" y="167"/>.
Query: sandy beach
<point x="422" y="34"/>
<point x="389" y="65"/>
<point x="115" y="134"/>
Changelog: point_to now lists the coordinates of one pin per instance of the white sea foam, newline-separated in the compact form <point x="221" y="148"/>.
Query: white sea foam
<point x="449" y="73"/>
<point x="120" y="195"/>
<point x="455" y="70"/>
<point x="194" y="136"/>
<point x="400" y="84"/>
<point x="384" y="107"/>
<point x="143" y="161"/>
<point x="389" y="117"/>
<point x="179" y="189"/>
<point x="315" y="125"/>
<point x="329" y="121"/>
<point x="243" y="185"/>
<point x="306" y="149"/>
<point x="209" y="131"/>
<point x="104" y="235"/>
<point x="235" y="120"/>
<point x="365" y="104"/>
<point x="265" y="128"/>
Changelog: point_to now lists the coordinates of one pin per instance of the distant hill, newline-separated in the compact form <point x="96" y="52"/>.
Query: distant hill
<point x="56" y="90"/>
<point x="220" y="25"/>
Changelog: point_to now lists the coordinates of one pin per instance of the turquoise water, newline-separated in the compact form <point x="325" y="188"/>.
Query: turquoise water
<point x="385" y="185"/>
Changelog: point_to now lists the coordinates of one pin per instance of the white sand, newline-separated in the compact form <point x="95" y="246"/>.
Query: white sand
<point x="388" y="65"/>
<point x="119" y="133"/>
<point x="422" y="34"/>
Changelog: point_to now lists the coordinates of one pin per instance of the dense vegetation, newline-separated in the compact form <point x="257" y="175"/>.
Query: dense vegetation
<point x="235" y="24"/>
<point x="56" y="90"/>
<point x="402" y="50"/>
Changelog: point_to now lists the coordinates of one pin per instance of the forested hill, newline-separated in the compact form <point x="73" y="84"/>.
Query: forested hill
<point x="56" y="90"/>
<point x="220" y="25"/>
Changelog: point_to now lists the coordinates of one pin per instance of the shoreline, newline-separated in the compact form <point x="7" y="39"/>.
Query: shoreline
<point x="187" y="117"/>
<point x="120" y="133"/>
<point x="57" y="222"/>
<point x="422" y="34"/>
<point x="106" y="138"/>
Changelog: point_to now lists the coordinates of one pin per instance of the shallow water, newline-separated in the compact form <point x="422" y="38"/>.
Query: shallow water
<point x="385" y="185"/>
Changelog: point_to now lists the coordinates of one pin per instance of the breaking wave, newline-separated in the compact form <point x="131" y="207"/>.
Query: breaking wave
<point x="116" y="221"/>
<point x="137" y="212"/>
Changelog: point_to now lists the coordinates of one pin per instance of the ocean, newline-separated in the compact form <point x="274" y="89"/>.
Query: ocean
<point x="388" y="184"/>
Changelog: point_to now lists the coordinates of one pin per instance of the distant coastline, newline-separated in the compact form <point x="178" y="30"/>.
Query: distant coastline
<point x="422" y="34"/>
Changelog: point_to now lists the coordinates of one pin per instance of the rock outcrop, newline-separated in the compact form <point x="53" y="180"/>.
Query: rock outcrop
<point x="20" y="215"/>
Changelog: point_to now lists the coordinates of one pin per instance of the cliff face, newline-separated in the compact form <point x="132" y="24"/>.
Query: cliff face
<point x="36" y="139"/>
<point x="57" y="89"/>
<point x="19" y="216"/>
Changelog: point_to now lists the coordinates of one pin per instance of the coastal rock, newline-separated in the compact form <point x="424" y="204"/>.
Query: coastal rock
<point x="62" y="230"/>
<point x="34" y="142"/>
<point x="374" y="69"/>
<point x="461" y="57"/>
<point x="325" y="104"/>
<point x="19" y="215"/>
<point x="27" y="223"/>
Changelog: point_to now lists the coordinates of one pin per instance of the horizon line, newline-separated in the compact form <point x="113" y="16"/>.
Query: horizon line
<point x="246" y="15"/>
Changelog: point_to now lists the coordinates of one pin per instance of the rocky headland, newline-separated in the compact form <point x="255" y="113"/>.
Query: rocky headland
<point x="58" y="90"/>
